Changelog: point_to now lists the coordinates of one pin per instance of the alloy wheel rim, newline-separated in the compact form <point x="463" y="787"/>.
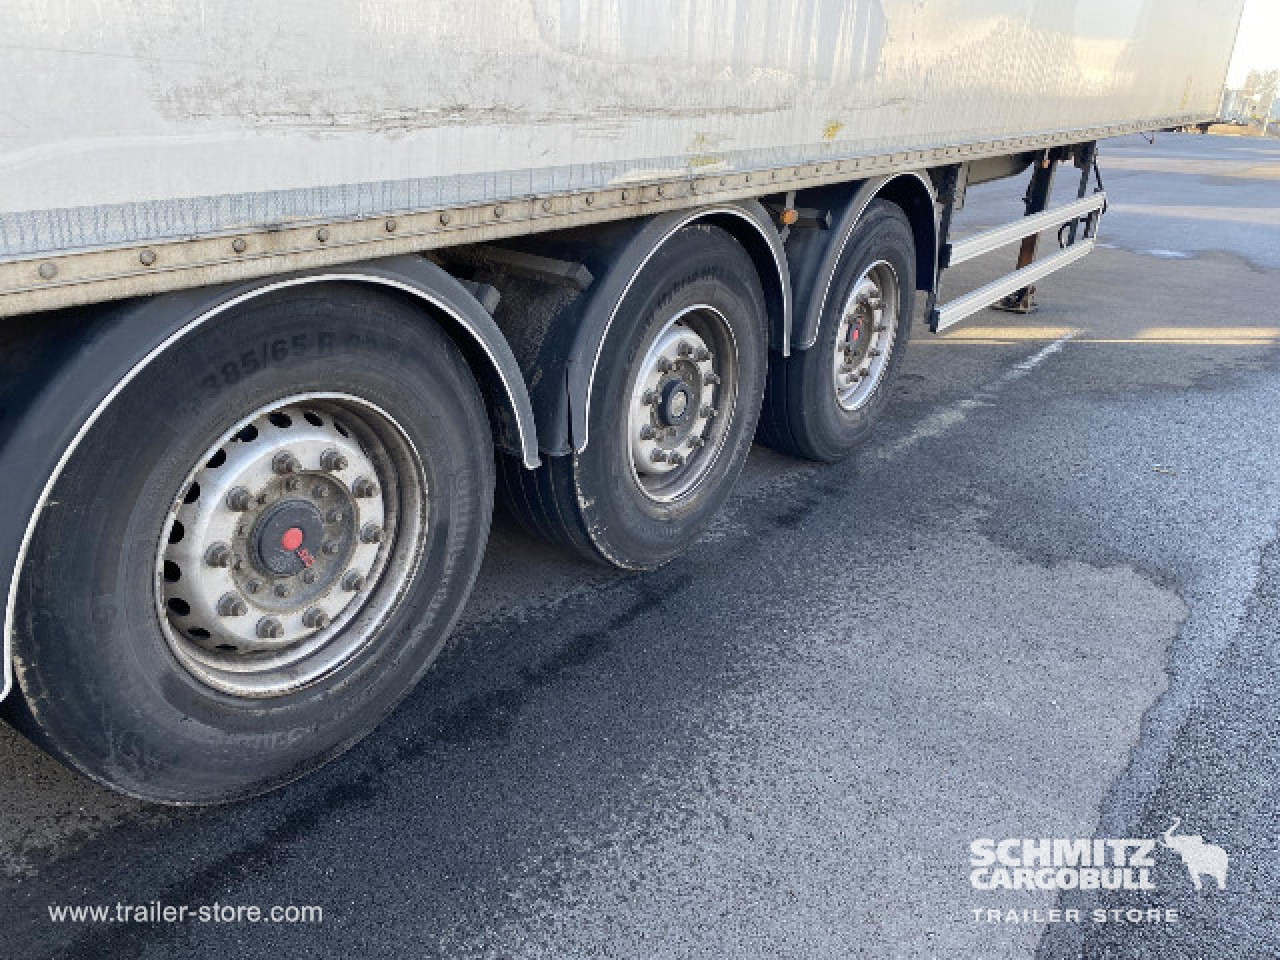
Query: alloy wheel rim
<point x="682" y="400"/>
<point x="289" y="543"/>
<point x="865" y="335"/>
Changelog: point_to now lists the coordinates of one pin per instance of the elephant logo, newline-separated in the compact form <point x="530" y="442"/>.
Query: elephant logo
<point x="1199" y="857"/>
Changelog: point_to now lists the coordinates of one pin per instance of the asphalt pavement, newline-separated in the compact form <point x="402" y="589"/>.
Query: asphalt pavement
<point x="1042" y="602"/>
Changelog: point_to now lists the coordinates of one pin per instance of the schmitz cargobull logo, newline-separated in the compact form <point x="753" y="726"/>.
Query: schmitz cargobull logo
<point x="1060" y="863"/>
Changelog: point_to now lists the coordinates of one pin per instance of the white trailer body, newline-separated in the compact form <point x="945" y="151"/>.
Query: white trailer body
<point x="163" y="124"/>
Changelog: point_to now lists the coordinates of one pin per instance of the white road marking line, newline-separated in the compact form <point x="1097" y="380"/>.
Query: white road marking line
<point x="936" y="424"/>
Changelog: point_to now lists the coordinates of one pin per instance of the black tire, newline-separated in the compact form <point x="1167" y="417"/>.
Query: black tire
<point x="801" y="414"/>
<point x="100" y="686"/>
<point x="592" y="501"/>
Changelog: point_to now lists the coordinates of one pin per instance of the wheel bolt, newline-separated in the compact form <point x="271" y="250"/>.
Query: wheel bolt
<point x="710" y="379"/>
<point x="364" y="488"/>
<point x="330" y="547"/>
<point x="218" y="555"/>
<point x="253" y="586"/>
<point x="650" y="397"/>
<point x="353" y="581"/>
<point x="315" y="619"/>
<point x="232" y="605"/>
<point x="239" y="499"/>
<point x="281" y="589"/>
<point x="709" y="412"/>
<point x="685" y="350"/>
<point x="658" y="456"/>
<point x="371" y="533"/>
<point x="285" y="463"/>
<point x="332" y="460"/>
<point x="647" y="432"/>
<point x="664" y="365"/>
<point x="702" y="354"/>
<point x="292" y="484"/>
<point x="695" y="442"/>
<point x="269" y="628"/>
<point x="308" y="576"/>
<point x="675" y="459"/>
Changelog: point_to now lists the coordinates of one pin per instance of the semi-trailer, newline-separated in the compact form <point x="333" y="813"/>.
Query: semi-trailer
<point x="290" y="291"/>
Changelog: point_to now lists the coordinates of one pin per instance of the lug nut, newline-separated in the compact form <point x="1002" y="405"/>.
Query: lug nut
<point x="239" y="499"/>
<point x="650" y="397"/>
<point x="281" y="590"/>
<point x="664" y="365"/>
<point x="873" y="353"/>
<point x="292" y="484"/>
<point x="702" y="354"/>
<point x="647" y="432"/>
<point x="269" y="628"/>
<point x="330" y="547"/>
<point x="285" y="463"/>
<point x="334" y="515"/>
<point x="658" y="456"/>
<point x="709" y="412"/>
<point x="353" y="581"/>
<point x="315" y="619"/>
<point x="710" y="379"/>
<point x="319" y="491"/>
<point x="308" y="576"/>
<point x="364" y="488"/>
<point x="332" y="460"/>
<point x="218" y="555"/>
<point x="695" y="442"/>
<point x="253" y="586"/>
<point x="675" y="459"/>
<point x="371" y="533"/>
<point x="684" y="350"/>
<point x="232" y="605"/>
<point x="880" y="327"/>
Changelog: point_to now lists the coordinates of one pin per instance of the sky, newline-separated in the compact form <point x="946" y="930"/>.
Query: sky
<point x="1258" y="47"/>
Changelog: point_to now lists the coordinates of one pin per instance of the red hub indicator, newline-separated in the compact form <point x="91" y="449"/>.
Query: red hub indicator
<point x="292" y="539"/>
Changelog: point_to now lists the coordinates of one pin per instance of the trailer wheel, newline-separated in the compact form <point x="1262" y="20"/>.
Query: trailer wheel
<point x="821" y="402"/>
<point x="257" y="550"/>
<point x="674" y="406"/>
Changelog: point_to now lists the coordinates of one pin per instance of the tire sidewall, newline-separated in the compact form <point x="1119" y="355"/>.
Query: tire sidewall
<point x="127" y="712"/>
